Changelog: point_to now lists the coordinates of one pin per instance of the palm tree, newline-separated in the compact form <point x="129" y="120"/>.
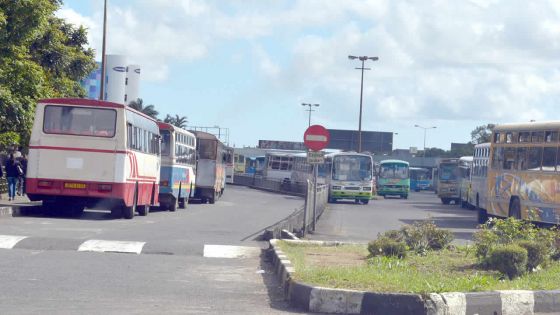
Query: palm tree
<point x="149" y="110"/>
<point x="177" y="121"/>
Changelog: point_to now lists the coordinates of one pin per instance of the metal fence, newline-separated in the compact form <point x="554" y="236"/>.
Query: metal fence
<point x="303" y="219"/>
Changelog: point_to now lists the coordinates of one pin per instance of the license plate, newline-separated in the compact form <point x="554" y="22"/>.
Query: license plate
<point x="75" y="185"/>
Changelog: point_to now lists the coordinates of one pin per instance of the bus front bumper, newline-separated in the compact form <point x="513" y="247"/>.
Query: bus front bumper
<point x="351" y="195"/>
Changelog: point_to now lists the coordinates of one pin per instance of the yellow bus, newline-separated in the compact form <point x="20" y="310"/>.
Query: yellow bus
<point x="523" y="178"/>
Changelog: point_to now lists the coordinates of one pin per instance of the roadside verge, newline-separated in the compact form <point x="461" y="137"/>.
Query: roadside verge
<point x="328" y="300"/>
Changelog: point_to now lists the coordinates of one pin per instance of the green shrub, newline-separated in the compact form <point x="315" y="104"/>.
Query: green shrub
<point x="536" y="253"/>
<point x="387" y="247"/>
<point x="440" y="238"/>
<point x="425" y="235"/>
<point x="510" y="260"/>
<point x="395" y="235"/>
<point x="484" y="241"/>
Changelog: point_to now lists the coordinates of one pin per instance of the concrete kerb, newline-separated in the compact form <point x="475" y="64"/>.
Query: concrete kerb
<point x="340" y="301"/>
<point x="17" y="210"/>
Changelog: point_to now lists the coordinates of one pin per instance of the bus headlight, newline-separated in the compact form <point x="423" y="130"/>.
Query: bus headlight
<point x="336" y="187"/>
<point x="366" y="188"/>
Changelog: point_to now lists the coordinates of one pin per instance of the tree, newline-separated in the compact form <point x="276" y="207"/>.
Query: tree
<point x="41" y="56"/>
<point x="482" y="134"/>
<point x="149" y="110"/>
<point x="177" y="121"/>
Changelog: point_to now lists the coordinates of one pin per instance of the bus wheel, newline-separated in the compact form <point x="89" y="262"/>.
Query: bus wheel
<point x="182" y="203"/>
<point x="143" y="210"/>
<point x="482" y="216"/>
<point x="128" y="212"/>
<point x="212" y="200"/>
<point x="515" y="208"/>
<point x="76" y="210"/>
<point x="365" y="202"/>
<point x="445" y="201"/>
<point x="405" y="196"/>
<point x="172" y="206"/>
<point x="116" y="212"/>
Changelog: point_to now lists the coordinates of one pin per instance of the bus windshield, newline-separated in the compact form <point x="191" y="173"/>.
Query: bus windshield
<point x="352" y="168"/>
<point x="394" y="170"/>
<point x="448" y="171"/>
<point x="165" y="142"/>
<point x="82" y="121"/>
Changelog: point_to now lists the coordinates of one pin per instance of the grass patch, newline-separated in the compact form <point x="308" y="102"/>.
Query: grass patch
<point x="348" y="267"/>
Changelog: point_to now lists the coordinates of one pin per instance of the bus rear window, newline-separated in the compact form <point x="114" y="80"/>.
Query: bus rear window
<point x="81" y="121"/>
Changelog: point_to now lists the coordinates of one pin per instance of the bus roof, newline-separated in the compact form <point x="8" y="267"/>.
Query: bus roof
<point x="204" y="135"/>
<point x="527" y="126"/>
<point x="90" y="102"/>
<point x="394" y="162"/>
<point x="482" y="145"/>
<point x="165" y="126"/>
<point x="466" y="158"/>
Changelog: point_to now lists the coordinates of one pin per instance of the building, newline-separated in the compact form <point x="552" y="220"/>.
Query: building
<point x="92" y="83"/>
<point x="122" y="81"/>
<point x="376" y="142"/>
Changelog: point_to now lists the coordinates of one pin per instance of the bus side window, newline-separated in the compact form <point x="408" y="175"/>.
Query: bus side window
<point x="129" y="136"/>
<point x="535" y="158"/>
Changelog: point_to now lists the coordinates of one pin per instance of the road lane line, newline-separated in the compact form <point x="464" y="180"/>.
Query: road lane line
<point x="111" y="246"/>
<point x="227" y="251"/>
<point x="9" y="241"/>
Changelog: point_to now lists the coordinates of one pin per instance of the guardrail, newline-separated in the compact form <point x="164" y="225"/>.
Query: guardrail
<point x="304" y="218"/>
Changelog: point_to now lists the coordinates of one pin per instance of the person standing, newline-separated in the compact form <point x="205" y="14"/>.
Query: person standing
<point x="23" y="175"/>
<point x="12" y="174"/>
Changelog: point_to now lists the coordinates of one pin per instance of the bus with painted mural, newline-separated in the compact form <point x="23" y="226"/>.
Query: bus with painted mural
<point x="94" y="154"/>
<point x="394" y="179"/>
<point x="523" y="175"/>
<point x="465" y="166"/>
<point x="420" y="178"/>
<point x="178" y="166"/>
<point x="211" y="160"/>
<point x="479" y="176"/>
<point x="448" y="180"/>
<point x="349" y="175"/>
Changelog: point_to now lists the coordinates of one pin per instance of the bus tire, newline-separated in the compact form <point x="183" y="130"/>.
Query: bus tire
<point x="212" y="200"/>
<point x="482" y="216"/>
<point x="143" y="210"/>
<point x="515" y="208"/>
<point x="172" y="206"/>
<point x="76" y="210"/>
<point x="405" y="196"/>
<point x="116" y="212"/>
<point x="129" y="212"/>
<point x="445" y="201"/>
<point x="365" y="202"/>
<point x="182" y="203"/>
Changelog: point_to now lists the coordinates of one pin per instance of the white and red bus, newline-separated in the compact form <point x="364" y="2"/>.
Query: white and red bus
<point x="88" y="153"/>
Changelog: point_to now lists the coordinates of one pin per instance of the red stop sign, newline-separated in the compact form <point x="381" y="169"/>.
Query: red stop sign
<point x="316" y="138"/>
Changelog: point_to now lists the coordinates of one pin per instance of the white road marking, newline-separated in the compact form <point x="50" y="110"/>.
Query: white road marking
<point x="111" y="246"/>
<point x="227" y="251"/>
<point x="9" y="241"/>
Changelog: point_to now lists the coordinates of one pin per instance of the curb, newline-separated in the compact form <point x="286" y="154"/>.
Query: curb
<point x="340" y="301"/>
<point x="17" y="210"/>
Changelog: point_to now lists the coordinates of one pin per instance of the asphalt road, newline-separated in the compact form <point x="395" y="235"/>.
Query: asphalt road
<point x="361" y="223"/>
<point x="45" y="273"/>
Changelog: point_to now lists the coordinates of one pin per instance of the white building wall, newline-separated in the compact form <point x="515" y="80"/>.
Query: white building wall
<point x="115" y="77"/>
<point x="132" y="83"/>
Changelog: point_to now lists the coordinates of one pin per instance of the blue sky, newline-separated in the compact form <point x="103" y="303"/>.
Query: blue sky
<point x="248" y="65"/>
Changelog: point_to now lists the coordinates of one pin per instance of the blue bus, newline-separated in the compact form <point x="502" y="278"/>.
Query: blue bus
<point x="420" y="179"/>
<point x="178" y="166"/>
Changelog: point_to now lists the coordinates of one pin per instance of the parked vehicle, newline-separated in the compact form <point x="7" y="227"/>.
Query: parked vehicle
<point x="479" y="176"/>
<point x="178" y="166"/>
<point x="230" y="168"/>
<point x="210" y="167"/>
<point x="448" y="180"/>
<point x="420" y="179"/>
<point x="394" y="179"/>
<point x="465" y="166"/>
<point x="523" y="173"/>
<point x="349" y="176"/>
<point x="88" y="153"/>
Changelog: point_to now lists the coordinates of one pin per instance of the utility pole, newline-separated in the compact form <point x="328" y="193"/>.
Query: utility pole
<point x="102" y="87"/>
<point x="362" y="59"/>
<point x="309" y="110"/>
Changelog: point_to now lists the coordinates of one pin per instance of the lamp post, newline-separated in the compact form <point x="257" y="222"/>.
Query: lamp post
<point x="425" y="128"/>
<point x="309" y="110"/>
<point x="102" y="86"/>
<point x="362" y="59"/>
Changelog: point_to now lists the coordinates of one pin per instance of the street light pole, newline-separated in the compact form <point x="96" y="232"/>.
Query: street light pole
<point x="362" y="59"/>
<point x="102" y="86"/>
<point x="425" y="129"/>
<point x="309" y="110"/>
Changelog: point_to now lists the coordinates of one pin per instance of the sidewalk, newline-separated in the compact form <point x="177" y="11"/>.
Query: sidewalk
<point x="15" y="207"/>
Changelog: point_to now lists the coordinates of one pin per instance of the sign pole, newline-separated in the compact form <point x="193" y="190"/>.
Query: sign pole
<point x="303" y="230"/>
<point x="315" y="166"/>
